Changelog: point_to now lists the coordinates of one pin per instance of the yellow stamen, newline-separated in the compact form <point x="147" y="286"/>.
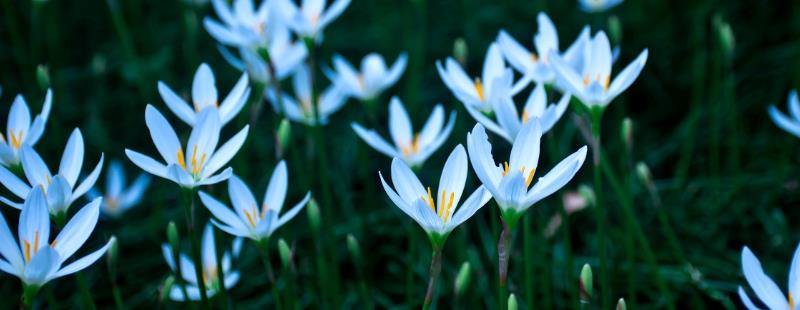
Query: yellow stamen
<point x="586" y="80"/>
<point x="26" y="249"/>
<point x="16" y="139"/>
<point x="791" y="301"/>
<point x="197" y="167"/>
<point x="524" y="116"/>
<point x="534" y="58"/>
<point x="429" y="199"/>
<point x="249" y="218"/>
<point x="53" y="244"/>
<point x="264" y="209"/>
<point x="505" y="168"/>
<point x="181" y="158"/>
<point x="441" y="203"/>
<point x="413" y="148"/>
<point x="605" y="80"/>
<point x="479" y="89"/>
<point x="35" y="242"/>
<point x="529" y="179"/>
<point x="449" y="206"/>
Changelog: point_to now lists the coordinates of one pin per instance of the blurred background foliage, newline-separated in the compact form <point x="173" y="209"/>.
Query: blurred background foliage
<point x="725" y="175"/>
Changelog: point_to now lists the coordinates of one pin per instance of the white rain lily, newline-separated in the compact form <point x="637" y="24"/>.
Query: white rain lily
<point x="242" y="24"/>
<point x="249" y="219"/>
<point x="594" y="6"/>
<point x="437" y="217"/>
<point x="198" y="164"/>
<point x="509" y="121"/>
<point x="412" y="148"/>
<point x="536" y="65"/>
<point x="480" y="92"/>
<point x="286" y="55"/>
<point x="204" y="95"/>
<point x="510" y="183"/>
<point x="311" y="18"/>
<point x="210" y="269"/>
<point x="20" y="130"/>
<point x="62" y="189"/>
<point x="766" y="290"/>
<point x="117" y="198"/>
<point x="789" y="122"/>
<point x="36" y="260"/>
<point x="300" y="108"/>
<point x="593" y="85"/>
<point x="373" y="78"/>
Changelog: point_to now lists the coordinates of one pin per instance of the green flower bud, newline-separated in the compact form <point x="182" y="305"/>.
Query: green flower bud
<point x="172" y="236"/>
<point x="111" y="257"/>
<point x="643" y="172"/>
<point x="354" y="247"/>
<point x="460" y="51"/>
<point x="512" y="302"/>
<point x="314" y="218"/>
<point x="727" y="41"/>
<point x="626" y="132"/>
<point x="621" y="304"/>
<point x="284" y="134"/>
<point x="614" y="29"/>
<point x="43" y="77"/>
<point x="587" y="285"/>
<point x="285" y="252"/>
<point x="463" y="279"/>
<point x="166" y="287"/>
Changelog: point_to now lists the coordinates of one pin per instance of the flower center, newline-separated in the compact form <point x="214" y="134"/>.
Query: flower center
<point x="528" y="178"/>
<point x="602" y="80"/>
<point x="15" y="139"/>
<point x="479" y="89"/>
<point x="524" y="116"/>
<point x="534" y="59"/>
<point x="412" y="148"/>
<point x="196" y="166"/>
<point x="445" y="205"/>
<point x="199" y="105"/>
<point x="253" y="216"/>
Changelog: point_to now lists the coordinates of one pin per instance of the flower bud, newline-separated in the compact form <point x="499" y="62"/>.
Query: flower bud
<point x="43" y="77"/>
<point x="588" y="193"/>
<point x="643" y="172"/>
<point x="460" y="51"/>
<point x="314" y="218"/>
<point x="463" y="279"/>
<point x="512" y="302"/>
<point x="586" y="284"/>
<point x="172" y="236"/>
<point x="621" y="304"/>
<point x="285" y="253"/>
<point x="626" y="132"/>
<point x="354" y="247"/>
<point x="727" y="41"/>
<point x="284" y="134"/>
<point x="166" y="287"/>
<point x="111" y="257"/>
<point x="614" y="29"/>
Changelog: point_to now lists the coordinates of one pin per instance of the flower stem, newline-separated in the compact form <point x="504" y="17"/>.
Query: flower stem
<point x="263" y="248"/>
<point x="189" y="208"/>
<point x="28" y="295"/>
<point x="436" y="268"/>
<point x="600" y="212"/>
<point x="529" y="260"/>
<point x="181" y="282"/>
<point x="503" y="255"/>
<point x="86" y="295"/>
<point x="224" y="301"/>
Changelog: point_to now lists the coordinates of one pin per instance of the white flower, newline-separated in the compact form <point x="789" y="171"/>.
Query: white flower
<point x="286" y="54"/>
<point x="311" y="18"/>
<point x="437" y="218"/>
<point x="412" y="148"/>
<point x="480" y="92"/>
<point x="373" y="78"/>
<point x="62" y="189"/>
<point x="117" y="198"/>
<point x="509" y="121"/>
<point x="593" y="86"/>
<point x="536" y="65"/>
<point x="593" y="6"/>
<point x="204" y="95"/>
<point x="300" y="108"/>
<point x="790" y="122"/>
<point x="197" y="165"/>
<point x="36" y="260"/>
<point x="251" y="220"/>
<point x="242" y="25"/>
<point x="210" y="268"/>
<point x="20" y="130"/>
<point x="766" y="290"/>
<point x="509" y="183"/>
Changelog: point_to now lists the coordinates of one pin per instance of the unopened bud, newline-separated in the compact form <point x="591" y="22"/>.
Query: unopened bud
<point x="166" y="288"/>
<point x="586" y="284"/>
<point x="725" y="36"/>
<point x="615" y="29"/>
<point x="285" y="252"/>
<point x="626" y="132"/>
<point x="460" y="51"/>
<point x="512" y="302"/>
<point x="284" y="134"/>
<point x="463" y="279"/>
<point x="621" y="304"/>
<point x="588" y="193"/>
<point x="643" y="172"/>
<point x="354" y="247"/>
<point x="43" y="77"/>
<point x="314" y="218"/>
<point x="111" y="257"/>
<point x="172" y="236"/>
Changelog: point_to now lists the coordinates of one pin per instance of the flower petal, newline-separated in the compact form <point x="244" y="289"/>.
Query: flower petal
<point x="176" y="104"/>
<point x="278" y="185"/>
<point x="77" y="230"/>
<point x="72" y="160"/>
<point x="762" y="285"/>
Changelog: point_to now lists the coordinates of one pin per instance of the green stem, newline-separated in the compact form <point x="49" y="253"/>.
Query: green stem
<point x="224" y="301"/>
<point x="86" y="295"/>
<point x="28" y="295"/>
<point x="181" y="282"/>
<point x="503" y="256"/>
<point x="117" y="296"/>
<point x="529" y="259"/>
<point x="263" y="248"/>
<point x="600" y="212"/>
<point x="189" y="209"/>
<point x="410" y="260"/>
<point x="436" y="268"/>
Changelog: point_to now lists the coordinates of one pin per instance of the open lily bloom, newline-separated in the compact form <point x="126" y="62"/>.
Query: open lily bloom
<point x="510" y="183"/>
<point x="593" y="6"/>
<point x="211" y="277"/>
<point x="373" y="78"/>
<point x="285" y="53"/>
<point x="790" y="122"/>
<point x="300" y="108"/>
<point x="593" y="85"/>
<point x="198" y="164"/>
<point x="20" y="130"/>
<point x="766" y="290"/>
<point x="250" y="220"/>
<point x="536" y="65"/>
<point x="204" y="95"/>
<point x="477" y="93"/>
<point x="62" y="189"/>
<point x="243" y="25"/>
<point x="437" y="217"/>
<point x="509" y="121"/>
<point x="412" y="148"/>
<point x="117" y="198"/>
<point x="311" y="18"/>
<point x="36" y="260"/>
